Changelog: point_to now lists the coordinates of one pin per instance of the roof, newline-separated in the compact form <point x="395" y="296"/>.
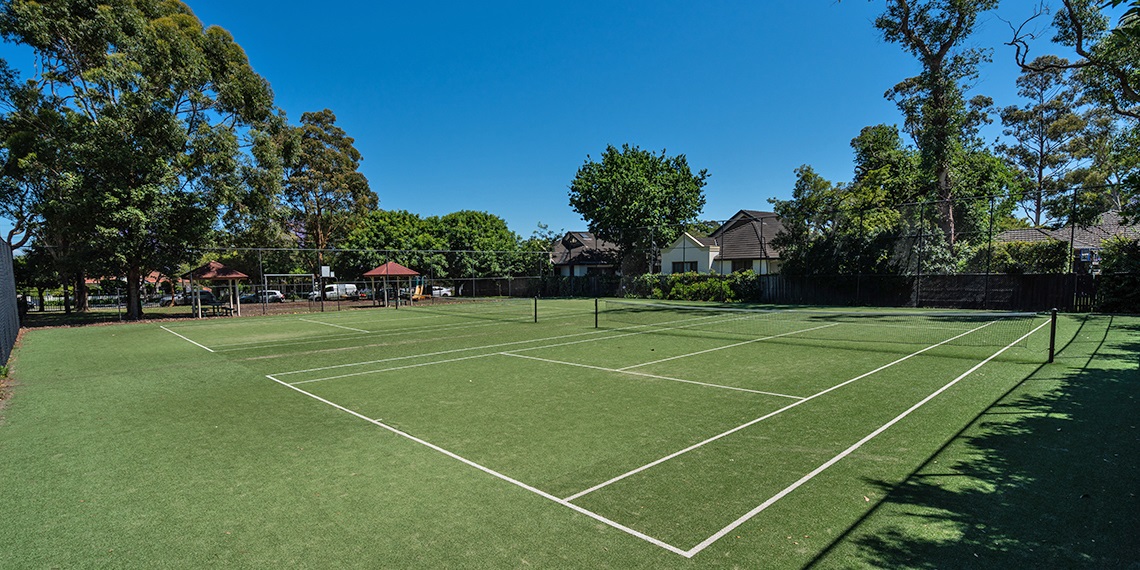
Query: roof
<point x="391" y="269"/>
<point x="582" y="248"/>
<point x="748" y="235"/>
<point x="1089" y="237"/>
<point x="215" y="271"/>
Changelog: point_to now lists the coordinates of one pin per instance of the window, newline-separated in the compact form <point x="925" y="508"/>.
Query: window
<point x="741" y="265"/>
<point x="684" y="266"/>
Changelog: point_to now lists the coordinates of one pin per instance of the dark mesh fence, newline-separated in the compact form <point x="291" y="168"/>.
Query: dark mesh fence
<point x="9" y="312"/>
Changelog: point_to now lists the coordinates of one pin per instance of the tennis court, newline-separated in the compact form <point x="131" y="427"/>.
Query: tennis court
<point x="676" y="425"/>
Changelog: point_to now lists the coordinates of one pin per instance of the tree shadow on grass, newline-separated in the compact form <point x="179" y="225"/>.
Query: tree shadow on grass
<point x="1047" y="477"/>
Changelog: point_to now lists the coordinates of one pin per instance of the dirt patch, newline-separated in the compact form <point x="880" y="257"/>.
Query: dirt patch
<point x="7" y="379"/>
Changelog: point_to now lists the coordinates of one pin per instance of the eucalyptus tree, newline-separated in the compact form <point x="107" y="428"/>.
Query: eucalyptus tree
<point x="325" y="192"/>
<point x="638" y="200"/>
<point x="143" y="107"/>
<point x="938" y="116"/>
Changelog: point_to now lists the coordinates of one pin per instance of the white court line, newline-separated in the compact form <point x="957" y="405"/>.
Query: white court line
<point x="722" y="532"/>
<point x="234" y="347"/>
<point x="332" y="325"/>
<point x="644" y="375"/>
<point x="185" y="339"/>
<point x="427" y="354"/>
<point x="488" y="346"/>
<point x="724" y="347"/>
<point x="494" y="473"/>
<point x="764" y="417"/>
<point x="394" y="368"/>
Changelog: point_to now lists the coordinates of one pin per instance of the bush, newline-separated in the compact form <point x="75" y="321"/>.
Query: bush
<point x="1119" y="287"/>
<point x="696" y="287"/>
<point x="1020" y="257"/>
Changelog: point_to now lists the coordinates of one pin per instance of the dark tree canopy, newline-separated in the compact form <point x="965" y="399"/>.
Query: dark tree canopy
<point x="637" y="199"/>
<point x="136" y="107"/>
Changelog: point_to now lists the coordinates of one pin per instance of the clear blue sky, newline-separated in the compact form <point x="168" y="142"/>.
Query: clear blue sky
<point x="494" y="105"/>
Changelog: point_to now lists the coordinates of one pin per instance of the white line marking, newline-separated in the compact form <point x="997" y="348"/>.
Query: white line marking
<point x="643" y="374"/>
<point x="728" y="346"/>
<point x="332" y="325"/>
<point x="254" y="345"/>
<point x="764" y="417"/>
<point x="185" y="339"/>
<point x="439" y="353"/>
<point x="499" y="345"/>
<point x="494" y="473"/>
<point x="720" y="534"/>
<point x="378" y="371"/>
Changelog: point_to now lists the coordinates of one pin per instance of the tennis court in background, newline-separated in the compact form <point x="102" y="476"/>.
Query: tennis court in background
<point x="678" y="425"/>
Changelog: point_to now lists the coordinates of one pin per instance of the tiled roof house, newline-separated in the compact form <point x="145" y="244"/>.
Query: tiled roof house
<point x="742" y="243"/>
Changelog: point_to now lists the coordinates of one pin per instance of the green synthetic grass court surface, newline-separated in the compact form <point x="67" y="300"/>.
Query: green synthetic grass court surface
<point x="429" y="438"/>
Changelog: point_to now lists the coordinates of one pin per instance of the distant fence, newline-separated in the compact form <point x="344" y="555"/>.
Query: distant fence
<point x="1003" y="292"/>
<point x="1037" y="292"/>
<point x="9" y="312"/>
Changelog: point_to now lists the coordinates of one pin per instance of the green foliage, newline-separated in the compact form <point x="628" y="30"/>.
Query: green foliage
<point x="136" y="107"/>
<point x="637" y="199"/>
<point x="394" y="235"/>
<point x="1043" y="133"/>
<point x="1119" y="286"/>
<point x="738" y="286"/>
<point x="1020" y="257"/>
<point x="326" y="194"/>
<point x="939" y="117"/>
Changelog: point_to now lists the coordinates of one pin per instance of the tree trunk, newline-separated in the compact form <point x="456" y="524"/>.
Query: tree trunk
<point x="40" y="296"/>
<point x="66" y="299"/>
<point x="134" y="302"/>
<point x="81" y="305"/>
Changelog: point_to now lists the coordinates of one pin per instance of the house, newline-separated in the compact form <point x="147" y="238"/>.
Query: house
<point x="1086" y="241"/>
<point x="581" y="253"/>
<point x="742" y="243"/>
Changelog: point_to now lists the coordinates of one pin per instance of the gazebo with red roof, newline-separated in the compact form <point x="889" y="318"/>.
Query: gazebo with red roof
<point x="390" y="269"/>
<point x="216" y="271"/>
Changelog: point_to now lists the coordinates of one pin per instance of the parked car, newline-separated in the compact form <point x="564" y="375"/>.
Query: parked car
<point x="188" y="298"/>
<point x="438" y="291"/>
<point x="267" y="296"/>
<point x="336" y="292"/>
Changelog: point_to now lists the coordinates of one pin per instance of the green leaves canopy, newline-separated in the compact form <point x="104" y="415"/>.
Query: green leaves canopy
<point x="143" y="106"/>
<point x="637" y="199"/>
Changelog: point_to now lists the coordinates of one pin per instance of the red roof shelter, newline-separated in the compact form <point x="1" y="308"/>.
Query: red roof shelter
<point x="216" y="271"/>
<point x="390" y="269"/>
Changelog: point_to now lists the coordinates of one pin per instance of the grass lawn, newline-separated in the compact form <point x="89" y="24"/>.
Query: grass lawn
<point x="471" y="436"/>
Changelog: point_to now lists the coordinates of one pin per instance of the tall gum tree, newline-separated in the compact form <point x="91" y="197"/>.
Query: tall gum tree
<point x="324" y="189"/>
<point x="154" y="103"/>
<point x="937" y="114"/>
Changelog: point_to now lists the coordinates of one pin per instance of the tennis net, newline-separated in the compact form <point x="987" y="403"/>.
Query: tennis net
<point x="521" y="309"/>
<point x="883" y="330"/>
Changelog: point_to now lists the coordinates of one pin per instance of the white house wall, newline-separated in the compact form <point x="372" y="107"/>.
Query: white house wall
<point x="686" y="250"/>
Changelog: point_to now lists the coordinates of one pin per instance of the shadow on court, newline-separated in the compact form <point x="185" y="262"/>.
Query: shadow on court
<point x="1047" y="477"/>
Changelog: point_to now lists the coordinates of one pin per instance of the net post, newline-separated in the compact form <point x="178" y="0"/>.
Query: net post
<point x="595" y="312"/>
<point x="1052" y="334"/>
<point x="536" y="309"/>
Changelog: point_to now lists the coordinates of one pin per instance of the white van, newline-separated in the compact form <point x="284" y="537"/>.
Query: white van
<point x="336" y="292"/>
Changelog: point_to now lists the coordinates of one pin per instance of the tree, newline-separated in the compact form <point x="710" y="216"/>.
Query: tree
<point x="143" y="107"/>
<point x="938" y="116"/>
<point x="394" y="235"/>
<point x="1043" y="133"/>
<point x="638" y="200"/>
<point x="1108" y="68"/>
<point x="1107" y="179"/>
<point x="481" y="244"/>
<point x="324" y="190"/>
